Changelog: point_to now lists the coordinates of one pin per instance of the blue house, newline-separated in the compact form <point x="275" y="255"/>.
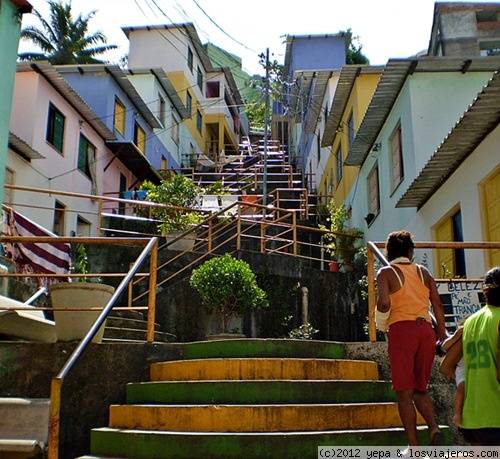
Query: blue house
<point x="309" y="63"/>
<point x="108" y="91"/>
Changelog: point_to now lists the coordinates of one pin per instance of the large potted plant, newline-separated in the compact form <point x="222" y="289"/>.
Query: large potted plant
<point x="227" y="287"/>
<point x="343" y="242"/>
<point x="182" y="194"/>
<point x="74" y="325"/>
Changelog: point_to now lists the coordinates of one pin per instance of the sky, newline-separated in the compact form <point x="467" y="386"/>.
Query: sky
<point x="386" y="28"/>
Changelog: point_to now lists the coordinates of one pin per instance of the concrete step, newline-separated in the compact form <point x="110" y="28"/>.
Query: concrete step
<point x="112" y="443"/>
<point x="263" y="368"/>
<point x="259" y="347"/>
<point x="129" y="334"/>
<point x="24" y="427"/>
<point x="121" y="322"/>
<point x="259" y="392"/>
<point x="256" y="418"/>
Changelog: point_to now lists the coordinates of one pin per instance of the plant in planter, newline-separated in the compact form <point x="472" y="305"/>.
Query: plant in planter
<point x="345" y="243"/>
<point x="228" y="287"/>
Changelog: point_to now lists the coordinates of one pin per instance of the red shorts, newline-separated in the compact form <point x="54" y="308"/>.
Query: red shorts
<point x="411" y="354"/>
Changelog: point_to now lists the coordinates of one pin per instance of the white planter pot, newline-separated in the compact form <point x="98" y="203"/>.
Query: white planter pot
<point x="74" y="325"/>
<point x="182" y="245"/>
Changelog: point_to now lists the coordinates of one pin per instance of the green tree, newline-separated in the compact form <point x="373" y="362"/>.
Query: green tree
<point x="64" y="40"/>
<point x="354" y="54"/>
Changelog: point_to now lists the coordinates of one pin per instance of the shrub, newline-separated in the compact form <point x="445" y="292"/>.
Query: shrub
<point x="228" y="286"/>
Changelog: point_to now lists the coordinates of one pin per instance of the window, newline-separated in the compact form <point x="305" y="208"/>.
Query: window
<point x="140" y="138"/>
<point x="396" y="158"/>
<point x="59" y="217"/>
<point x="190" y="59"/>
<point x="86" y="156"/>
<point x="339" y="165"/>
<point x="450" y="262"/>
<point x="83" y="227"/>
<point x="162" y="110"/>
<point x="199" y="122"/>
<point x="189" y="103"/>
<point x="175" y="130"/>
<point x="373" y="192"/>
<point x="123" y="188"/>
<point x="212" y="89"/>
<point x="164" y="164"/>
<point x="55" y="128"/>
<point x="350" y="129"/>
<point x="200" y="79"/>
<point x="119" y="117"/>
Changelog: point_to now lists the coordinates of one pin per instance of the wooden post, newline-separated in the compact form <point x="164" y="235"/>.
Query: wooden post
<point x="372" y="331"/>
<point x="153" y="268"/>
<point x="55" y="418"/>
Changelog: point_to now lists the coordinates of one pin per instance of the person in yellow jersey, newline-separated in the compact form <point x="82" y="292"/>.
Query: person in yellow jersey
<point x="481" y="354"/>
<point x="405" y="290"/>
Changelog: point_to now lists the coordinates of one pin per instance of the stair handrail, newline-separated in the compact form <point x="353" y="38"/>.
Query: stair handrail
<point x="151" y="250"/>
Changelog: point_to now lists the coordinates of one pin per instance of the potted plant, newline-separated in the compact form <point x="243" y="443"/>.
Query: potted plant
<point x="74" y="325"/>
<point x="182" y="194"/>
<point x="342" y="242"/>
<point x="228" y="287"/>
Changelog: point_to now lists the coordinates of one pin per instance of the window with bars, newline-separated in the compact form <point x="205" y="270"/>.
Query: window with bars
<point x="162" y="110"/>
<point x="190" y="58"/>
<point x="374" y="191"/>
<point x="189" y="103"/>
<point x="55" y="128"/>
<point x="396" y="157"/>
<point x="199" y="79"/>
<point x="199" y="121"/>
<point x="86" y="155"/>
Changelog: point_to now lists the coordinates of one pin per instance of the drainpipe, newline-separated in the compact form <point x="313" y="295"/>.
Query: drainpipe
<point x="305" y="305"/>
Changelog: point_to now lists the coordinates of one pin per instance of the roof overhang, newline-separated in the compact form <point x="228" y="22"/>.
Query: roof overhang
<point x="22" y="148"/>
<point x="477" y="122"/>
<point x="134" y="160"/>
<point x="57" y="81"/>
<point x="347" y="78"/>
<point x="391" y="81"/>
<point x="123" y="82"/>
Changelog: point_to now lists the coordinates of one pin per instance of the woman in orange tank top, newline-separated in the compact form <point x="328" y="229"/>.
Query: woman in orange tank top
<point x="404" y="293"/>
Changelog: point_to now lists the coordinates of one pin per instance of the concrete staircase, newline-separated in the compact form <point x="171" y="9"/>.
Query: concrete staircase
<point x="130" y="326"/>
<point x="24" y="427"/>
<point x="253" y="399"/>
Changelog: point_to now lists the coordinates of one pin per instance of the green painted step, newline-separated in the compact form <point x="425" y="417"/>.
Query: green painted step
<point x="258" y="392"/>
<point x="137" y="444"/>
<point x="263" y="368"/>
<point x="255" y="347"/>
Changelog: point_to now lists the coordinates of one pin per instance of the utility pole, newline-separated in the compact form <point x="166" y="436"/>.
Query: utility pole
<point x="266" y="132"/>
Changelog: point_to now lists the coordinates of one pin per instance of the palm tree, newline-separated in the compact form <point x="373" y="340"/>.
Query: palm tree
<point x="63" y="40"/>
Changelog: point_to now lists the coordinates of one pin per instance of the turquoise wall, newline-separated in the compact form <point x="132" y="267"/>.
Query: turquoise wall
<point x="10" y="30"/>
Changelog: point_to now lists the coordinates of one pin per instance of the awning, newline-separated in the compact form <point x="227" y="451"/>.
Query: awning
<point x="135" y="161"/>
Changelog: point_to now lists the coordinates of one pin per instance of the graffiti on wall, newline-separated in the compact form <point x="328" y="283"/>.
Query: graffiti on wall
<point x="460" y="299"/>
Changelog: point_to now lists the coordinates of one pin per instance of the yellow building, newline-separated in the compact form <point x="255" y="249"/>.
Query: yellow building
<point x="209" y="94"/>
<point x="354" y="92"/>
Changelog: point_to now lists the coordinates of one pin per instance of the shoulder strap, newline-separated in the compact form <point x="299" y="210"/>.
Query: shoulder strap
<point x="397" y="275"/>
<point x="420" y="273"/>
